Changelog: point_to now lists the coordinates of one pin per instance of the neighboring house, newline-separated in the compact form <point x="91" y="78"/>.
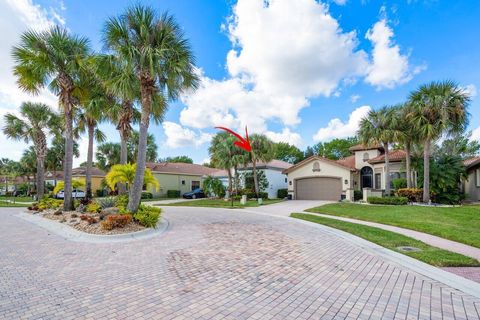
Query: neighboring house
<point x="471" y="185"/>
<point x="273" y="172"/>
<point x="183" y="177"/>
<point x="52" y="177"/>
<point x="318" y="178"/>
<point x="97" y="177"/>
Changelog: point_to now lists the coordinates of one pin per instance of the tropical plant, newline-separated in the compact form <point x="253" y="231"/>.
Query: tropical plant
<point x="377" y="128"/>
<point x="249" y="182"/>
<point x="33" y="126"/>
<point x="133" y="147"/>
<point x="213" y="186"/>
<point x="287" y="152"/>
<point x="438" y="108"/>
<point x="107" y="155"/>
<point x="162" y="61"/>
<point x="76" y="183"/>
<point x="262" y="150"/>
<point x="125" y="173"/>
<point x="52" y="59"/>
<point x="56" y="153"/>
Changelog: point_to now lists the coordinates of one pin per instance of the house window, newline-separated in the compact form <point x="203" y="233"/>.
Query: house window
<point x="316" y="167"/>
<point x="378" y="180"/>
<point x="286" y="180"/>
<point x="183" y="182"/>
<point x="478" y="177"/>
<point x="366" y="156"/>
<point x="195" y="185"/>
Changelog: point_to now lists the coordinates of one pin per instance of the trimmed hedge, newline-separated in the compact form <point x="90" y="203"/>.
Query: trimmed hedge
<point x="357" y="195"/>
<point x="412" y="194"/>
<point x="173" y="193"/>
<point x="398" y="201"/>
<point x="147" y="195"/>
<point x="282" y="193"/>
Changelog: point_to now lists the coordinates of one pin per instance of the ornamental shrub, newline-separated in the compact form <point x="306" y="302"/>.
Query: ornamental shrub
<point x="148" y="216"/>
<point x="282" y="193"/>
<point x="399" y="183"/>
<point x="146" y="195"/>
<point x="121" y="201"/>
<point x="94" y="207"/>
<point x="357" y="195"/>
<point x="398" y="201"/>
<point x="412" y="194"/>
<point x="116" y="221"/>
<point x="173" y="193"/>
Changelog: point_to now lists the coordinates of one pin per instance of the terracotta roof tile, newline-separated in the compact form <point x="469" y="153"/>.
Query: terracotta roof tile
<point x="394" y="156"/>
<point x="276" y="164"/>
<point x="471" y="162"/>
<point x="348" y="161"/>
<point x="312" y="158"/>
<point x="81" y="171"/>
<point x="360" y="147"/>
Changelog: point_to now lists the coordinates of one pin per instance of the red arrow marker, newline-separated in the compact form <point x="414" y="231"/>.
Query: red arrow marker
<point x="242" y="143"/>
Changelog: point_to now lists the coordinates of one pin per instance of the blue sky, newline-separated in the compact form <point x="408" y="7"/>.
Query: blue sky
<point x="301" y="71"/>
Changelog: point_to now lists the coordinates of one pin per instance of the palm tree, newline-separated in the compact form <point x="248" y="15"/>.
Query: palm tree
<point x="32" y="126"/>
<point x="223" y="155"/>
<point x="56" y="154"/>
<point x="133" y="147"/>
<point x="53" y="59"/>
<point x="108" y="154"/>
<point x="404" y="133"/>
<point x="378" y="128"/>
<point x="438" y="108"/>
<point x="262" y="150"/>
<point x="162" y="62"/>
<point x="125" y="173"/>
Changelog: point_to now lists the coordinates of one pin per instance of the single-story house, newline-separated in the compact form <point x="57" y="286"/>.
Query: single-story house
<point x="273" y="171"/>
<point x="318" y="178"/>
<point x="471" y="185"/>
<point x="97" y="176"/>
<point x="183" y="177"/>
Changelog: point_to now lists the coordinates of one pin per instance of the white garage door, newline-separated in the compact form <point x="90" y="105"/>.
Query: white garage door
<point x="318" y="188"/>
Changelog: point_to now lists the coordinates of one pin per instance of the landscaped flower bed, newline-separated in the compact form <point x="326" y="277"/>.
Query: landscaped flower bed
<point x="106" y="216"/>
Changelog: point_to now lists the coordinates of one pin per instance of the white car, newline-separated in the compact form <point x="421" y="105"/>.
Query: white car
<point x="76" y="193"/>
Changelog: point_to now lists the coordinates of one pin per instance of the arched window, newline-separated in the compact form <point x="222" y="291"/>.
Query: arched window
<point x="316" y="166"/>
<point x="366" y="177"/>
<point x="366" y="156"/>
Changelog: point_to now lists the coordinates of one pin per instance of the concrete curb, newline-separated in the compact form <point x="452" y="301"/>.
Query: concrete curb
<point x="452" y="280"/>
<point x="72" y="234"/>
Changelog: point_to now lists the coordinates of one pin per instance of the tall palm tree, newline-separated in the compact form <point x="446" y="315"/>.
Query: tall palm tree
<point x="133" y="147"/>
<point x="53" y="59"/>
<point x="162" y="62"/>
<point x="262" y="150"/>
<point x="404" y="133"/>
<point x="108" y="154"/>
<point x="222" y="154"/>
<point x="378" y="128"/>
<point x="438" y="108"/>
<point x="33" y="126"/>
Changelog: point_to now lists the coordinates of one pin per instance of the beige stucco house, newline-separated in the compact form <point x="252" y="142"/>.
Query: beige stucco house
<point x="183" y="177"/>
<point x="471" y="185"/>
<point x="318" y="178"/>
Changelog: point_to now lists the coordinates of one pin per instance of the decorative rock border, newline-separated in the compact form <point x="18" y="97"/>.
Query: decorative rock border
<point x="72" y="234"/>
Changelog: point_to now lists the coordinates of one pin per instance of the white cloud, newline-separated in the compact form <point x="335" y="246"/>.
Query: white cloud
<point x="471" y="90"/>
<point x="286" y="136"/>
<point x="476" y="134"/>
<point x="177" y="136"/>
<point x="17" y="16"/>
<point x="389" y="66"/>
<point x="354" y="98"/>
<point x="340" y="2"/>
<point x="336" y="128"/>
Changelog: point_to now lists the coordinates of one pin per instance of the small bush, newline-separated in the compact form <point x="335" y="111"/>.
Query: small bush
<point x="100" y="193"/>
<point x="48" y="203"/>
<point x="108" y="202"/>
<point x="116" y="221"/>
<point x="282" y="193"/>
<point x="263" y="195"/>
<point x="107" y="225"/>
<point x="357" y="195"/>
<point x="399" y="183"/>
<point x="121" y="201"/>
<point x="173" y="193"/>
<point x="146" y="195"/>
<point x="412" y="194"/>
<point x="398" y="201"/>
<point x="88" y="218"/>
<point x="148" y="216"/>
<point x="94" y="207"/>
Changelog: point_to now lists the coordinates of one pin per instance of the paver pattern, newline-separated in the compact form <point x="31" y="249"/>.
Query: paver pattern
<point x="213" y="264"/>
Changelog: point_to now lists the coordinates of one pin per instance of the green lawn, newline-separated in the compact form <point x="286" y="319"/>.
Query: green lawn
<point x="431" y="255"/>
<point x="7" y="204"/>
<point x="460" y="224"/>
<point x="20" y="199"/>
<point x="220" y="203"/>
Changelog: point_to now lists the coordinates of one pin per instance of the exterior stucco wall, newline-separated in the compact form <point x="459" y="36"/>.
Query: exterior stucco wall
<point x="359" y="163"/>
<point x="470" y="185"/>
<point x="174" y="182"/>
<point x="326" y="170"/>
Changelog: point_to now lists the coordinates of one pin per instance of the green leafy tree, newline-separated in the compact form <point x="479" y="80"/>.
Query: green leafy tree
<point x="133" y="147"/>
<point x="53" y="59"/>
<point x="213" y="187"/>
<point x="336" y="148"/>
<point x="377" y="128"/>
<point x="438" y="108"/>
<point x="182" y="159"/>
<point x="107" y="155"/>
<point x="262" y="150"/>
<point x="163" y="63"/>
<point x="459" y="144"/>
<point x="33" y="126"/>
<point x="249" y="182"/>
<point x="287" y="152"/>
<point x="56" y="153"/>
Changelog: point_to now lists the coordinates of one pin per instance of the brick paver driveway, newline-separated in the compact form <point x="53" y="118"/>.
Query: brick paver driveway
<point x="213" y="264"/>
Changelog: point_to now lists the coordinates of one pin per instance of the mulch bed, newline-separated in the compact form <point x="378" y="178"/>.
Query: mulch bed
<point x="72" y="219"/>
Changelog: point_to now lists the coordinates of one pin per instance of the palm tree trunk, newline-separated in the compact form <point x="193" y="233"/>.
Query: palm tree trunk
<point x="387" y="171"/>
<point x="122" y="189"/>
<point x="41" y="150"/>
<point x="88" y="173"/>
<point x="230" y="185"/>
<point x="408" y="165"/>
<point x="136" y="190"/>
<point x="255" y="178"/>
<point x="68" y="162"/>
<point x="426" y="171"/>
